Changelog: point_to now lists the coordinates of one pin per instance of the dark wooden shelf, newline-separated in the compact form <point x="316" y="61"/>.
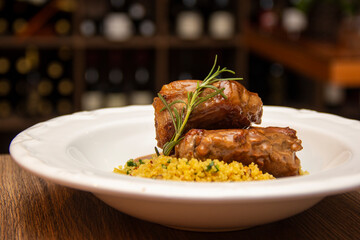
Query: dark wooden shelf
<point x="100" y="42"/>
<point x="205" y="42"/>
<point x="40" y="41"/>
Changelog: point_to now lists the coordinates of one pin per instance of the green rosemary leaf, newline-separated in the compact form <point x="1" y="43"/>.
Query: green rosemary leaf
<point x="174" y="102"/>
<point x="168" y="148"/>
<point x="207" y="97"/>
<point x="178" y="118"/>
<point x="216" y="89"/>
<point x="157" y="152"/>
<point x="212" y="69"/>
<point x="168" y="108"/>
<point x="229" y="79"/>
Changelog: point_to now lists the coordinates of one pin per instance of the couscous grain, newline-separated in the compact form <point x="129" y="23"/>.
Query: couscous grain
<point x="182" y="169"/>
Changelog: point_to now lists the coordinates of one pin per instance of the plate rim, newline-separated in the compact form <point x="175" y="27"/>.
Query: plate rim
<point x="165" y="189"/>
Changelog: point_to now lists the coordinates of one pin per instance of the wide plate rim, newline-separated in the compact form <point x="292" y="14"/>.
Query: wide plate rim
<point x="109" y="184"/>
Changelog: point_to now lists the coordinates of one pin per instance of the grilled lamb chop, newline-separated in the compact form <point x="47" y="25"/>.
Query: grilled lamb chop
<point x="272" y="148"/>
<point x="239" y="110"/>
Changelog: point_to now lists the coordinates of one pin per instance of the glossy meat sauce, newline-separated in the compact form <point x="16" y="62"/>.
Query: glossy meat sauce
<point x="272" y="149"/>
<point x="221" y="129"/>
<point x="239" y="110"/>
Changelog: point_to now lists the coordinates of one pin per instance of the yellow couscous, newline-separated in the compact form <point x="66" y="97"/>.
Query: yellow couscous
<point x="182" y="169"/>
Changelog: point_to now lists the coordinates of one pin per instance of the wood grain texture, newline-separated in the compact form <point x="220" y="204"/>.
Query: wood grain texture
<point x="32" y="208"/>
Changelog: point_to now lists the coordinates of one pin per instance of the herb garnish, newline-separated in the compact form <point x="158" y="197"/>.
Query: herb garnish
<point x="131" y="163"/>
<point x="181" y="118"/>
<point x="211" y="165"/>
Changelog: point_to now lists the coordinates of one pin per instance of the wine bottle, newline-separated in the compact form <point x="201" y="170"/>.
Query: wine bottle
<point x="27" y="76"/>
<point x="4" y="25"/>
<point x="138" y="11"/>
<point x="5" y="108"/>
<point x="294" y="22"/>
<point x="4" y="65"/>
<point x="88" y="27"/>
<point x="142" y="84"/>
<point x="5" y="87"/>
<point x="63" y="27"/>
<point x="44" y="95"/>
<point x="6" y="17"/>
<point x="93" y="96"/>
<point x="222" y="21"/>
<point x="334" y="95"/>
<point x="19" y="25"/>
<point x="118" y="26"/>
<point x="55" y="69"/>
<point x="147" y="28"/>
<point x="189" y="22"/>
<point x="115" y="94"/>
<point x="23" y="65"/>
<point x="35" y="105"/>
<point x="19" y="16"/>
<point x="58" y="72"/>
<point x="268" y="19"/>
<point x="146" y="24"/>
<point x="92" y="22"/>
<point x="45" y="87"/>
<point x="65" y="87"/>
<point x="62" y="21"/>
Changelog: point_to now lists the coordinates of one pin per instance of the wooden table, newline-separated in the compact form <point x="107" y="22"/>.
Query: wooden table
<point x="32" y="208"/>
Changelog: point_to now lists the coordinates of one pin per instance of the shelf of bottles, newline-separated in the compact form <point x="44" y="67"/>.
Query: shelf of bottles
<point x="36" y="83"/>
<point x="57" y="57"/>
<point x="40" y="18"/>
<point x="192" y="20"/>
<point x="118" y="78"/>
<point x="118" y="20"/>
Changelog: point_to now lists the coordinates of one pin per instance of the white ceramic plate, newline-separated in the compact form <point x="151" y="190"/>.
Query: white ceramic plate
<point x="81" y="150"/>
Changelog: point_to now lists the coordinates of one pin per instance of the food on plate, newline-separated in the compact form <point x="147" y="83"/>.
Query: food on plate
<point x="205" y="131"/>
<point x="239" y="109"/>
<point x="272" y="148"/>
<point x="182" y="169"/>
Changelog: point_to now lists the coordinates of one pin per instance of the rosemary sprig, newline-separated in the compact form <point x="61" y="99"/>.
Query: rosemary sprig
<point x="194" y="99"/>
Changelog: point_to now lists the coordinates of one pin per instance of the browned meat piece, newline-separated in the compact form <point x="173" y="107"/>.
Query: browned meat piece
<point x="272" y="149"/>
<point x="237" y="111"/>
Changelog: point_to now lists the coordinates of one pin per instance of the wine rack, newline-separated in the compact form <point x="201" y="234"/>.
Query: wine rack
<point x="63" y="56"/>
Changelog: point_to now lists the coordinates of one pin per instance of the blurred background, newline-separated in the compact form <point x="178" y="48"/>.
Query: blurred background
<point x="62" y="56"/>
